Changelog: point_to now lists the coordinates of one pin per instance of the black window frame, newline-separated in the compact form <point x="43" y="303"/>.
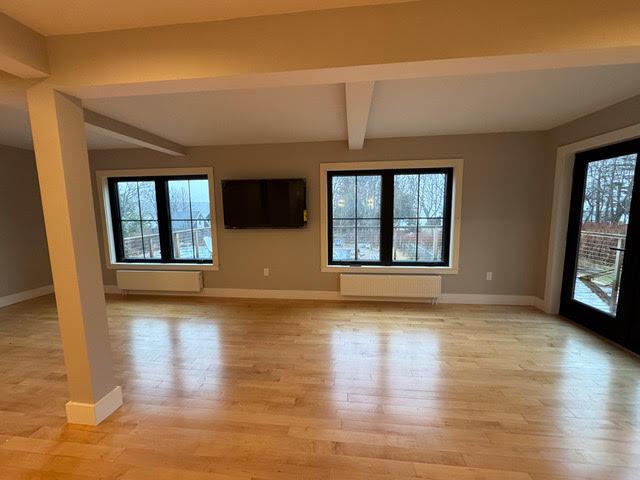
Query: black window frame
<point x="387" y="216"/>
<point x="164" y="219"/>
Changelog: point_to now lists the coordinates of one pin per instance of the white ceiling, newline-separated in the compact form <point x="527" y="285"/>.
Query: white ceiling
<point x="536" y="100"/>
<point x="56" y="17"/>
<point x="268" y="115"/>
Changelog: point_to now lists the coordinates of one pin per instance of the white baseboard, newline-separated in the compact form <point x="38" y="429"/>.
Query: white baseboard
<point x="94" y="413"/>
<point x="539" y="303"/>
<point x="26" y="295"/>
<point x="242" y="293"/>
<point x="482" y="299"/>
<point x="458" y="298"/>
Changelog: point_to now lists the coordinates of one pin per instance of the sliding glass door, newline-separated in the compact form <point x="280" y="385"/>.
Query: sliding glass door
<point x="601" y="275"/>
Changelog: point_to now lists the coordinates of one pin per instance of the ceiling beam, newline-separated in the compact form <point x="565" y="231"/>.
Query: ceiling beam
<point x="122" y="131"/>
<point x="370" y="36"/>
<point x="394" y="71"/>
<point x="358" y="96"/>
<point x="23" y="52"/>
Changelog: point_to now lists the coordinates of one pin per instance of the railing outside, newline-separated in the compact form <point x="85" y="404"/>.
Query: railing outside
<point x="600" y="259"/>
<point x="186" y="244"/>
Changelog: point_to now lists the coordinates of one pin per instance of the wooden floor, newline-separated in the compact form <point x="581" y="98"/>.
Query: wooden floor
<point x="222" y="389"/>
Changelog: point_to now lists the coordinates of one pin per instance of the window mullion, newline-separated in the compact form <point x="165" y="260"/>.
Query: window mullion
<point x="164" y="223"/>
<point x="355" y="253"/>
<point x="418" y="217"/>
<point x="144" y="253"/>
<point x="386" y="218"/>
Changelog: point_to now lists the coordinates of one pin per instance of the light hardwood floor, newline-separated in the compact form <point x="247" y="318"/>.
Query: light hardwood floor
<point x="229" y="389"/>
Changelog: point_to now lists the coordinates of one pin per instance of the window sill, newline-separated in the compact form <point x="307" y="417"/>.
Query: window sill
<point x="418" y="270"/>
<point x="164" y="266"/>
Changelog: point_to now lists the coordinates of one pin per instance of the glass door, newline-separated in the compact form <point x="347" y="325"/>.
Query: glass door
<point x="600" y="287"/>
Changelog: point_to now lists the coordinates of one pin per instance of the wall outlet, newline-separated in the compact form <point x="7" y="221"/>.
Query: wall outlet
<point x="265" y="272"/>
<point x="489" y="276"/>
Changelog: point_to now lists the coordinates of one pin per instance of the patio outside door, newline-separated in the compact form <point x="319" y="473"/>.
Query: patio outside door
<point x="601" y="285"/>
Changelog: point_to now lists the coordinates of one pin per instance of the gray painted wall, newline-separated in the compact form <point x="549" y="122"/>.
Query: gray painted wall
<point x="615" y="117"/>
<point x="24" y="259"/>
<point x="504" y="212"/>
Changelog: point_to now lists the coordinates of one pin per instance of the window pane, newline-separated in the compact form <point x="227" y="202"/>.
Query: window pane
<point x="148" y="203"/>
<point x="151" y="239"/>
<point x="204" y="242"/>
<point x="404" y="240"/>
<point x="179" y="202"/>
<point x="344" y="240"/>
<point x="344" y="197"/>
<point x="199" y="193"/>
<point x="405" y="196"/>
<point x="182" y="239"/>
<point x="430" y="240"/>
<point x="128" y="200"/>
<point x="356" y="201"/>
<point x="432" y="195"/>
<point x="132" y="239"/>
<point x="419" y="203"/>
<point x="191" y="219"/>
<point x="368" y="234"/>
<point x="369" y="195"/>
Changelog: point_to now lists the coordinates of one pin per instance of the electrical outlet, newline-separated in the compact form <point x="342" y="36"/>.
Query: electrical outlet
<point x="265" y="272"/>
<point x="489" y="276"/>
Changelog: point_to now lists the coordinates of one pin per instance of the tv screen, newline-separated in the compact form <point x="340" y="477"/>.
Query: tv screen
<point x="268" y="203"/>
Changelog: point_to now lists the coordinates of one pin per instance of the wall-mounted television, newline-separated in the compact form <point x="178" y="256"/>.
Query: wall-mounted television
<point x="266" y="203"/>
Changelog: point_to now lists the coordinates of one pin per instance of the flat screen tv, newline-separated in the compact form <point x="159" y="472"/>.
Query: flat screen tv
<point x="268" y="203"/>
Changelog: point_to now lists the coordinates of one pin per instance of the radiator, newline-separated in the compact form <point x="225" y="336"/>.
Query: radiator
<point x="160" y="281"/>
<point x="407" y="286"/>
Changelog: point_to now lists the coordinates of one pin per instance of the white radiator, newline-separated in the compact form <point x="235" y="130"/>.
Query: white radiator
<point x="160" y="281"/>
<point x="407" y="286"/>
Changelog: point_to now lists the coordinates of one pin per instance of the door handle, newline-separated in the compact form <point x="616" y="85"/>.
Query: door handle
<point x="617" y="249"/>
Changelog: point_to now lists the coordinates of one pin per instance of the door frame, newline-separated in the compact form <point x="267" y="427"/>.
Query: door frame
<point x="616" y="327"/>
<point x="565" y="157"/>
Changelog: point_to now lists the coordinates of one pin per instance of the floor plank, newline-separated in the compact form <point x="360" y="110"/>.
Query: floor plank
<point x="248" y="389"/>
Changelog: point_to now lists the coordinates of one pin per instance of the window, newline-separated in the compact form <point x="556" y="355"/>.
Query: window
<point x="161" y="219"/>
<point x="391" y="217"/>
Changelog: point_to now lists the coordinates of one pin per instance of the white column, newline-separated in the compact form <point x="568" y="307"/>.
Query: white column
<point x="65" y="185"/>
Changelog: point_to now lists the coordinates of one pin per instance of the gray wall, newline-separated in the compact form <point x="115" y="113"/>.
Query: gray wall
<point x="503" y="212"/>
<point x="24" y="259"/>
<point x="614" y="117"/>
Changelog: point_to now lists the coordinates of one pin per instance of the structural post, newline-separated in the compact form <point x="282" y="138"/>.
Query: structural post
<point x="65" y="185"/>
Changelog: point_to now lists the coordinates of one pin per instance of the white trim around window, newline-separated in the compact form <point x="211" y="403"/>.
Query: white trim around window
<point x="102" y="177"/>
<point x="456" y="211"/>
